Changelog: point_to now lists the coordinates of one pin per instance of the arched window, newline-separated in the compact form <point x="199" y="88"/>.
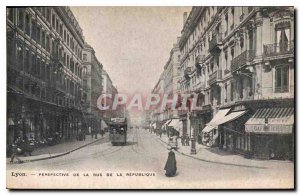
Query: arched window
<point x="282" y="79"/>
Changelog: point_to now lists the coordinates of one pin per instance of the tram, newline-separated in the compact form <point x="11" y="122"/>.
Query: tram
<point x="118" y="131"/>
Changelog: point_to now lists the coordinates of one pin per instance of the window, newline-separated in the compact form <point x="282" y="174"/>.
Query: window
<point x="242" y="44"/>
<point x="20" y="56"/>
<point x="85" y="57"/>
<point x="232" y="52"/>
<point x="226" y="24"/>
<point x="61" y="30"/>
<point x="10" y="14"/>
<point x="27" y="24"/>
<point x="53" y="21"/>
<point x="33" y="33"/>
<point x="57" y="26"/>
<point x="26" y="63"/>
<point x="282" y="79"/>
<point x="20" y="18"/>
<point x="38" y="34"/>
<point x="232" y="19"/>
<point x="241" y="90"/>
<point x="48" y="13"/>
<point x="48" y="43"/>
<point x="282" y="36"/>
<point x="43" y="39"/>
<point x="65" y="37"/>
<point x="232" y="86"/>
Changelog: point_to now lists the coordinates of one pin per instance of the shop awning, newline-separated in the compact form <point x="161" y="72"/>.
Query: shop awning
<point x="174" y="122"/>
<point x="178" y="126"/>
<point x="166" y="123"/>
<point x="220" y="114"/>
<point x="154" y="125"/>
<point x="221" y="118"/>
<point x="232" y="116"/>
<point x="208" y="128"/>
<point x="214" y="122"/>
<point x="103" y="124"/>
<point x="271" y="120"/>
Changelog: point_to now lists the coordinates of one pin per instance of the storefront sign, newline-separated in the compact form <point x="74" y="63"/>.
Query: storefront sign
<point x="278" y="128"/>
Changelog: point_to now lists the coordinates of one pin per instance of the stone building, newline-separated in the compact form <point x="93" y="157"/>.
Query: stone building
<point x="108" y="88"/>
<point x="92" y="82"/>
<point x="44" y="72"/>
<point x="240" y="63"/>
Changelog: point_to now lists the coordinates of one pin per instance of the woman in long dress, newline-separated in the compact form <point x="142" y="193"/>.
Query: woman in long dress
<point x="170" y="166"/>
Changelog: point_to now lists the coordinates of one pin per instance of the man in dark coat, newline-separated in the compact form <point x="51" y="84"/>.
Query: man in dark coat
<point x="170" y="166"/>
<point x="187" y="141"/>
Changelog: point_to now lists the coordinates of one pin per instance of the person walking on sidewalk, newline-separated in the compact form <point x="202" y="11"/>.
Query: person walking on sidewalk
<point x="187" y="143"/>
<point x="15" y="151"/>
<point x="92" y="133"/>
<point x="183" y="140"/>
<point x="170" y="166"/>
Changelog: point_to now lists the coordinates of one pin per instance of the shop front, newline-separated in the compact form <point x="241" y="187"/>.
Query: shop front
<point x="272" y="133"/>
<point x="216" y="133"/>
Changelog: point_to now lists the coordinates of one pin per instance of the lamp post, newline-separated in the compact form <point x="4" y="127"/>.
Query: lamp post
<point x="23" y="122"/>
<point x="193" y="140"/>
<point x="192" y="131"/>
<point x="42" y="123"/>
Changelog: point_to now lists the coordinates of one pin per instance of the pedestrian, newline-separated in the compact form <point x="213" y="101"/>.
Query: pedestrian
<point x="183" y="140"/>
<point x="92" y="133"/>
<point x="15" y="150"/>
<point x="170" y="166"/>
<point x="187" y="140"/>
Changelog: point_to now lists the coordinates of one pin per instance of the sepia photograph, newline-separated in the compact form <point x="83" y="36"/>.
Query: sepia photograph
<point x="150" y="97"/>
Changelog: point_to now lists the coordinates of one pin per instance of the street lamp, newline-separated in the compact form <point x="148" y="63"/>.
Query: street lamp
<point x="193" y="140"/>
<point x="42" y="123"/>
<point x="23" y="121"/>
<point x="192" y="131"/>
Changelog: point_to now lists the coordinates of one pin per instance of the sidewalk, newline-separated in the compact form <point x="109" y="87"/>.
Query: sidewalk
<point x="57" y="150"/>
<point x="215" y="155"/>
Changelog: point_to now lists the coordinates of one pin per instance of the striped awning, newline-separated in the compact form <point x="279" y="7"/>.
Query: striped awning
<point x="271" y="120"/>
<point x="166" y="124"/>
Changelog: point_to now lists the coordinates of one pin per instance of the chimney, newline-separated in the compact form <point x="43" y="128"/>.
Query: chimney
<point x="185" y="15"/>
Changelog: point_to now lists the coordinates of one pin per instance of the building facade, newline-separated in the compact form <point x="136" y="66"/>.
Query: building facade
<point x="240" y="63"/>
<point x="167" y="85"/>
<point x="44" y="72"/>
<point x="92" y="82"/>
<point x="109" y="88"/>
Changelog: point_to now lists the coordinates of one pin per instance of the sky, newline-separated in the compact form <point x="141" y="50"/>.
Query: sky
<point x="132" y="43"/>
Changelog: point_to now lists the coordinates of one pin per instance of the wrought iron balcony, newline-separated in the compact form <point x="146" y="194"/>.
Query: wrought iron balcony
<point x="278" y="49"/>
<point x="215" y="42"/>
<point x="215" y="77"/>
<point x="187" y="72"/>
<point x="199" y="61"/>
<point x="242" y="60"/>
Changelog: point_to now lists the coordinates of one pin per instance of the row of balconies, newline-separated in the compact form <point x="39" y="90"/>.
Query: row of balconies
<point x="270" y="50"/>
<point x="216" y="76"/>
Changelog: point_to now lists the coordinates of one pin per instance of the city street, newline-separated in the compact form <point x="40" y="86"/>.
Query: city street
<point x="146" y="153"/>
